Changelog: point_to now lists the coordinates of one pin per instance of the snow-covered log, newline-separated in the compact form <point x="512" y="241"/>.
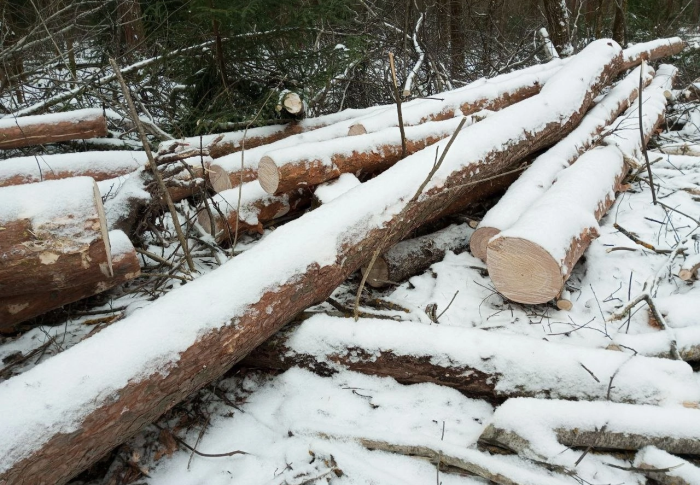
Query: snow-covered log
<point x="286" y="169"/>
<point x="100" y="165"/>
<point x="20" y="308"/>
<point x="256" y="208"/>
<point x="328" y="191"/>
<point x="541" y="174"/>
<point x="530" y="261"/>
<point x="53" y="236"/>
<point x="665" y="468"/>
<point x="653" y="50"/>
<point x="130" y="381"/>
<point x="658" y="344"/>
<point x="51" y="128"/>
<point x="413" y="256"/>
<point x="540" y="429"/>
<point x="475" y="362"/>
<point x="690" y="267"/>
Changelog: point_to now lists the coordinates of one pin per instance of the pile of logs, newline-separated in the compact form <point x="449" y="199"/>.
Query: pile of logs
<point x="58" y="248"/>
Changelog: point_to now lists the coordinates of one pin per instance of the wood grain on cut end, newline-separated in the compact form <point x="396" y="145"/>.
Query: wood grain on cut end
<point x="522" y="271"/>
<point x="268" y="175"/>
<point x="480" y="240"/>
<point x="219" y="178"/>
<point x="292" y="103"/>
<point x="379" y="274"/>
<point x="357" y="129"/>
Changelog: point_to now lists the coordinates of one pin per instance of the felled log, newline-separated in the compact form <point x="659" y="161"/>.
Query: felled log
<point x="530" y="261"/>
<point x="690" y="267"/>
<point x="538" y="428"/>
<point x="653" y="50"/>
<point x="129" y="386"/>
<point x="413" y="256"/>
<point x="256" y="208"/>
<point x="326" y="192"/>
<point x="100" y="165"/>
<point x="658" y="344"/>
<point x="283" y="170"/>
<point x="51" y="128"/>
<point x="54" y="236"/>
<point x="475" y="362"/>
<point x="664" y="468"/>
<point x="20" y="308"/>
<point x="541" y="174"/>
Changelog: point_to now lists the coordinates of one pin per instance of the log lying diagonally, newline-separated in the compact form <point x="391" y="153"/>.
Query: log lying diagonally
<point x="539" y="429"/>
<point x="54" y="236"/>
<point x="665" y="468"/>
<point x="70" y="416"/>
<point x="20" y="308"/>
<point x="42" y="129"/>
<point x="541" y="174"/>
<point x="530" y="261"/>
<point x="475" y="362"/>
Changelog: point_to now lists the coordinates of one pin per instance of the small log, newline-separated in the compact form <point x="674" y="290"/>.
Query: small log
<point x="475" y="362"/>
<point x="54" y="236"/>
<point x="651" y="51"/>
<point x="690" y="267"/>
<point x="541" y="174"/>
<point x="538" y="428"/>
<point x="20" y="308"/>
<point x="665" y="468"/>
<point x="52" y="128"/>
<point x="128" y="387"/>
<point x="290" y="102"/>
<point x="101" y="165"/>
<point x="531" y="259"/>
<point x="256" y="208"/>
<point x="413" y="256"/>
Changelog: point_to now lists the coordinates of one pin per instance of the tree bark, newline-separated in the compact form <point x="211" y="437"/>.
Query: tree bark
<point x="54" y="236"/>
<point x="456" y="39"/>
<point x="650" y="51"/>
<point x="619" y="29"/>
<point x="558" y="21"/>
<point x="20" y="308"/>
<point x="52" y="128"/>
<point x="272" y="293"/>
<point x="131" y="21"/>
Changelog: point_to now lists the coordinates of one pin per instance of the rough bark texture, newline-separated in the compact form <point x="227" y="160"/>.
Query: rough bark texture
<point x="558" y="23"/>
<point x="619" y="28"/>
<point x="670" y="47"/>
<point x="45" y="129"/>
<point x="140" y="402"/>
<point x="20" y="308"/>
<point x="39" y="255"/>
<point x="221" y="179"/>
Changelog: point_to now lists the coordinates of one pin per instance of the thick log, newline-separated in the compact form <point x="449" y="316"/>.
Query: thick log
<point x="285" y="170"/>
<point x="256" y="208"/>
<point x="42" y="129"/>
<point x="665" y="468"/>
<point x="328" y="191"/>
<point x="651" y="51"/>
<point x="100" y="165"/>
<point x="54" y="236"/>
<point x="20" y="308"/>
<point x="246" y="301"/>
<point x="541" y="174"/>
<point x="537" y="428"/>
<point x="530" y="261"/>
<point x="413" y="256"/>
<point x="475" y="362"/>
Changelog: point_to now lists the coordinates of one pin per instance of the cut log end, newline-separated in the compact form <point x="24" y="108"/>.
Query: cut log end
<point x="522" y="271"/>
<point x="686" y="274"/>
<point x="379" y="275"/>
<point x="293" y="104"/>
<point x="219" y="178"/>
<point x="268" y="175"/>
<point x="206" y="222"/>
<point x="357" y="129"/>
<point x="480" y="240"/>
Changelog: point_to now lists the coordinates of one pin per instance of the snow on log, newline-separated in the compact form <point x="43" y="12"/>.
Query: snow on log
<point x="310" y="164"/>
<point x="475" y="362"/>
<point x="67" y="415"/>
<point x="328" y="191"/>
<point x="665" y="468"/>
<point x="653" y="50"/>
<point x="256" y="208"/>
<point x="658" y="344"/>
<point x="540" y="429"/>
<point x="254" y="137"/>
<point x="541" y="174"/>
<point x="100" y="165"/>
<point x="51" y="128"/>
<point x="686" y="149"/>
<point x="20" y="308"/>
<point x="54" y="236"/>
<point x="530" y="261"/>
<point x="413" y="256"/>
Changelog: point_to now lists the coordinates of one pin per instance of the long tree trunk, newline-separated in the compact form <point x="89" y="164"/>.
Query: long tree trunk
<point x="558" y="22"/>
<point x="131" y="22"/>
<point x="51" y="128"/>
<point x="619" y="29"/>
<point x="245" y="302"/>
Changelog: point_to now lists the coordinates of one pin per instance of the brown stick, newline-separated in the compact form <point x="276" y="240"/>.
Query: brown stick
<point x="52" y="128"/>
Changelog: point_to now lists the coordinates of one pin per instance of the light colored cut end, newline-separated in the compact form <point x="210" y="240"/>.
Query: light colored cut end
<point x="205" y="221"/>
<point x="379" y="276"/>
<point x="292" y="103"/>
<point x="268" y="175"/>
<point x="686" y="274"/>
<point x="357" y="129"/>
<point x="480" y="240"/>
<point x="564" y="301"/>
<point x="219" y="178"/>
<point x="523" y="271"/>
<point x="103" y="226"/>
